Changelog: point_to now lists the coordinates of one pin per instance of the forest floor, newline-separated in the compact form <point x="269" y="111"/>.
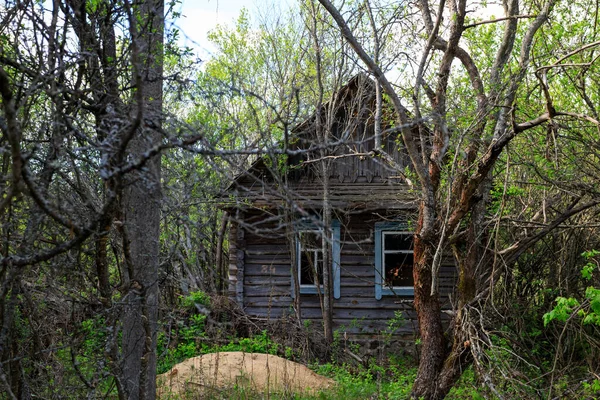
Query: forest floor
<point x="262" y="373"/>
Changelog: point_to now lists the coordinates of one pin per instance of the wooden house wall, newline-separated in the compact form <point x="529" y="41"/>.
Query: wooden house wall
<point x="265" y="281"/>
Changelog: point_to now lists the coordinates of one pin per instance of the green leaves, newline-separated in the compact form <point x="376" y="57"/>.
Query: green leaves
<point x="586" y="271"/>
<point x="593" y="295"/>
<point x="92" y="6"/>
<point x="199" y="297"/>
<point x="562" y="311"/>
<point x="589" y="310"/>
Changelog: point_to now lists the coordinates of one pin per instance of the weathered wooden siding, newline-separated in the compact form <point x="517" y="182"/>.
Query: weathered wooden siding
<point x="343" y="196"/>
<point x="236" y="262"/>
<point x="267" y="278"/>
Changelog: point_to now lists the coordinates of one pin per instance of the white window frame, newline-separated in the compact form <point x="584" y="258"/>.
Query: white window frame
<point x="335" y="252"/>
<point x="382" y="229"/>
<point x="315" y="257"/>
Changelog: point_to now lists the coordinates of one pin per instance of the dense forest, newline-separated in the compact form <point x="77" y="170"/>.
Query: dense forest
<point x="117" y="146"/>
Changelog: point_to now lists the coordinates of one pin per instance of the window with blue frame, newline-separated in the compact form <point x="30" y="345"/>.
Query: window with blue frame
<point x="394" y="258"/>
<point x="309" y="257"/>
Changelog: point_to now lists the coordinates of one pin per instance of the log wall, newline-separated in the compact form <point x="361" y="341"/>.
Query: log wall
<point x="260" y="273"/>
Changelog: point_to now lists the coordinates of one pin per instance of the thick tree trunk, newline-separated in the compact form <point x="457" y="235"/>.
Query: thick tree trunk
<point x="327" y="259"/>
<point x="141" y="208"/>
<point x="433" y="346"/>
<point x="460" y="357"/>
<point x="439" y="367"/>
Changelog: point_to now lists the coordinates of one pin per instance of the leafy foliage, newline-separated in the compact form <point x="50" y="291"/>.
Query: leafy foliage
<point x="589" y="311"/>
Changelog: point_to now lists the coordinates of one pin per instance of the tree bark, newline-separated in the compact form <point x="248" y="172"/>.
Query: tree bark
<point x="429" y="315"/>
<point x="322" y="128"/>
<point x="141" y="207"/>
<point x="220" y="266"/>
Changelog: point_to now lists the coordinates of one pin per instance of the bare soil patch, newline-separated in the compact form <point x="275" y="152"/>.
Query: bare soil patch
<point x="262" y="373"/>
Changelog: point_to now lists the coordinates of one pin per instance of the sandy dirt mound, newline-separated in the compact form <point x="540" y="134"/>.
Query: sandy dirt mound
<point x="259" y="372"/>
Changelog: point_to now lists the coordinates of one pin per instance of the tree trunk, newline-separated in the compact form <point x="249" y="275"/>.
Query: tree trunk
<point x="141" y="208"/>
<point x="327" y="246"/>
<point x="433" y="346"/>
<point x="220" y="266"/>
<point x="440" y="367"/>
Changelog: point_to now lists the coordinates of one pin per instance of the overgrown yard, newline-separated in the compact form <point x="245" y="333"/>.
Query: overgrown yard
<point x="203" y="359"/>
<point x="238" y="375"/>
<point x="252" y="375"/>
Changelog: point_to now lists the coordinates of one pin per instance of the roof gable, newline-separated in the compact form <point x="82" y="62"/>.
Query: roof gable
<point x="341" y="133"/>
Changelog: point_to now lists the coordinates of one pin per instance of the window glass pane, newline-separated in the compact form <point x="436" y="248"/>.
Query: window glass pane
<point x="308" y="259"/>
<point x="397" y="241"/>
<point x="398" y="269"/>
<point x="320" y="266"/>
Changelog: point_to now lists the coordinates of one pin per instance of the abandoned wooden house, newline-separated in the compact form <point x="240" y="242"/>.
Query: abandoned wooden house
<point x="334" y="216"/>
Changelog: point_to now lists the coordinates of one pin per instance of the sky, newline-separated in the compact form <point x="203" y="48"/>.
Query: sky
<point x="201" y="16"/>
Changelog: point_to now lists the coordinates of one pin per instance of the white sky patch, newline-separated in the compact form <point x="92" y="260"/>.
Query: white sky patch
<point x="201" y="16"/>
<point x="490" y="10"/>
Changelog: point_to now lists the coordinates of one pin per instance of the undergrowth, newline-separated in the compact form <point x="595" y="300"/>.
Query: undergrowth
<point x="190" y="338"/>
<point x="387" y="378"/>
<point x="197" y="327"/>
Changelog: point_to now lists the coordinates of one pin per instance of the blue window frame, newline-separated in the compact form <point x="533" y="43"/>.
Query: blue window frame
<point x="309" y="257"/>
<point x="394" y="258"/>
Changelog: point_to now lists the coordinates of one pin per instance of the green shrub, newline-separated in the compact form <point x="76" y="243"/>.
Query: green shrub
<point x="189" y="302"/>
<point x="189" y="339"/>
<point x="260" y="343"/>
<point x="391" y="381"/>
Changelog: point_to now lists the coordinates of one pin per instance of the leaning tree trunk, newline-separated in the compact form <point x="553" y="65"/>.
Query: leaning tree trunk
<point x="141" y="207"/>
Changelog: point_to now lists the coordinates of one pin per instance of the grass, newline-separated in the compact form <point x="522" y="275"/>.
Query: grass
<point x="354" y="382"/>
<point x="389" y="378"/>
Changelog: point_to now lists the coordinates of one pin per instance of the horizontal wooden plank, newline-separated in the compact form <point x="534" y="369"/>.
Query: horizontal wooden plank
<point x="371" y="327"/>
<point x="274" y="302"/>
<point x="273" y="290"/>
<point x="268" y="280"/>
<point x="341" y="304"/>
<point x="269" y="260"/>
<point x="274" y="312"/>
<point x="275" y="245"/>
<point x="357" y="271"/>
<point x="267" y="269"/>
<point x="407" y="201"/>
<point x="358" y="257"/>
<point x="364" y="315"/>
<point x="360" y="287"/>
<point x="364" y="250"/>
<point x="261" y="265"/>
<point x="351" y="281"/>
<point x="369" y="301"/>
<point x="358" y="292"/>
<point x="347" y="272"/>
<point x="268" y="236"/>
<point x="266" y="258"/>
<point x="351" y="202"/>
<point x="307" y="189"/>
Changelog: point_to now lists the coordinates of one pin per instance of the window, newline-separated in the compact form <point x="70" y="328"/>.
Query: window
<point x="393" y="260"/>
<point x="309" y="258"/>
